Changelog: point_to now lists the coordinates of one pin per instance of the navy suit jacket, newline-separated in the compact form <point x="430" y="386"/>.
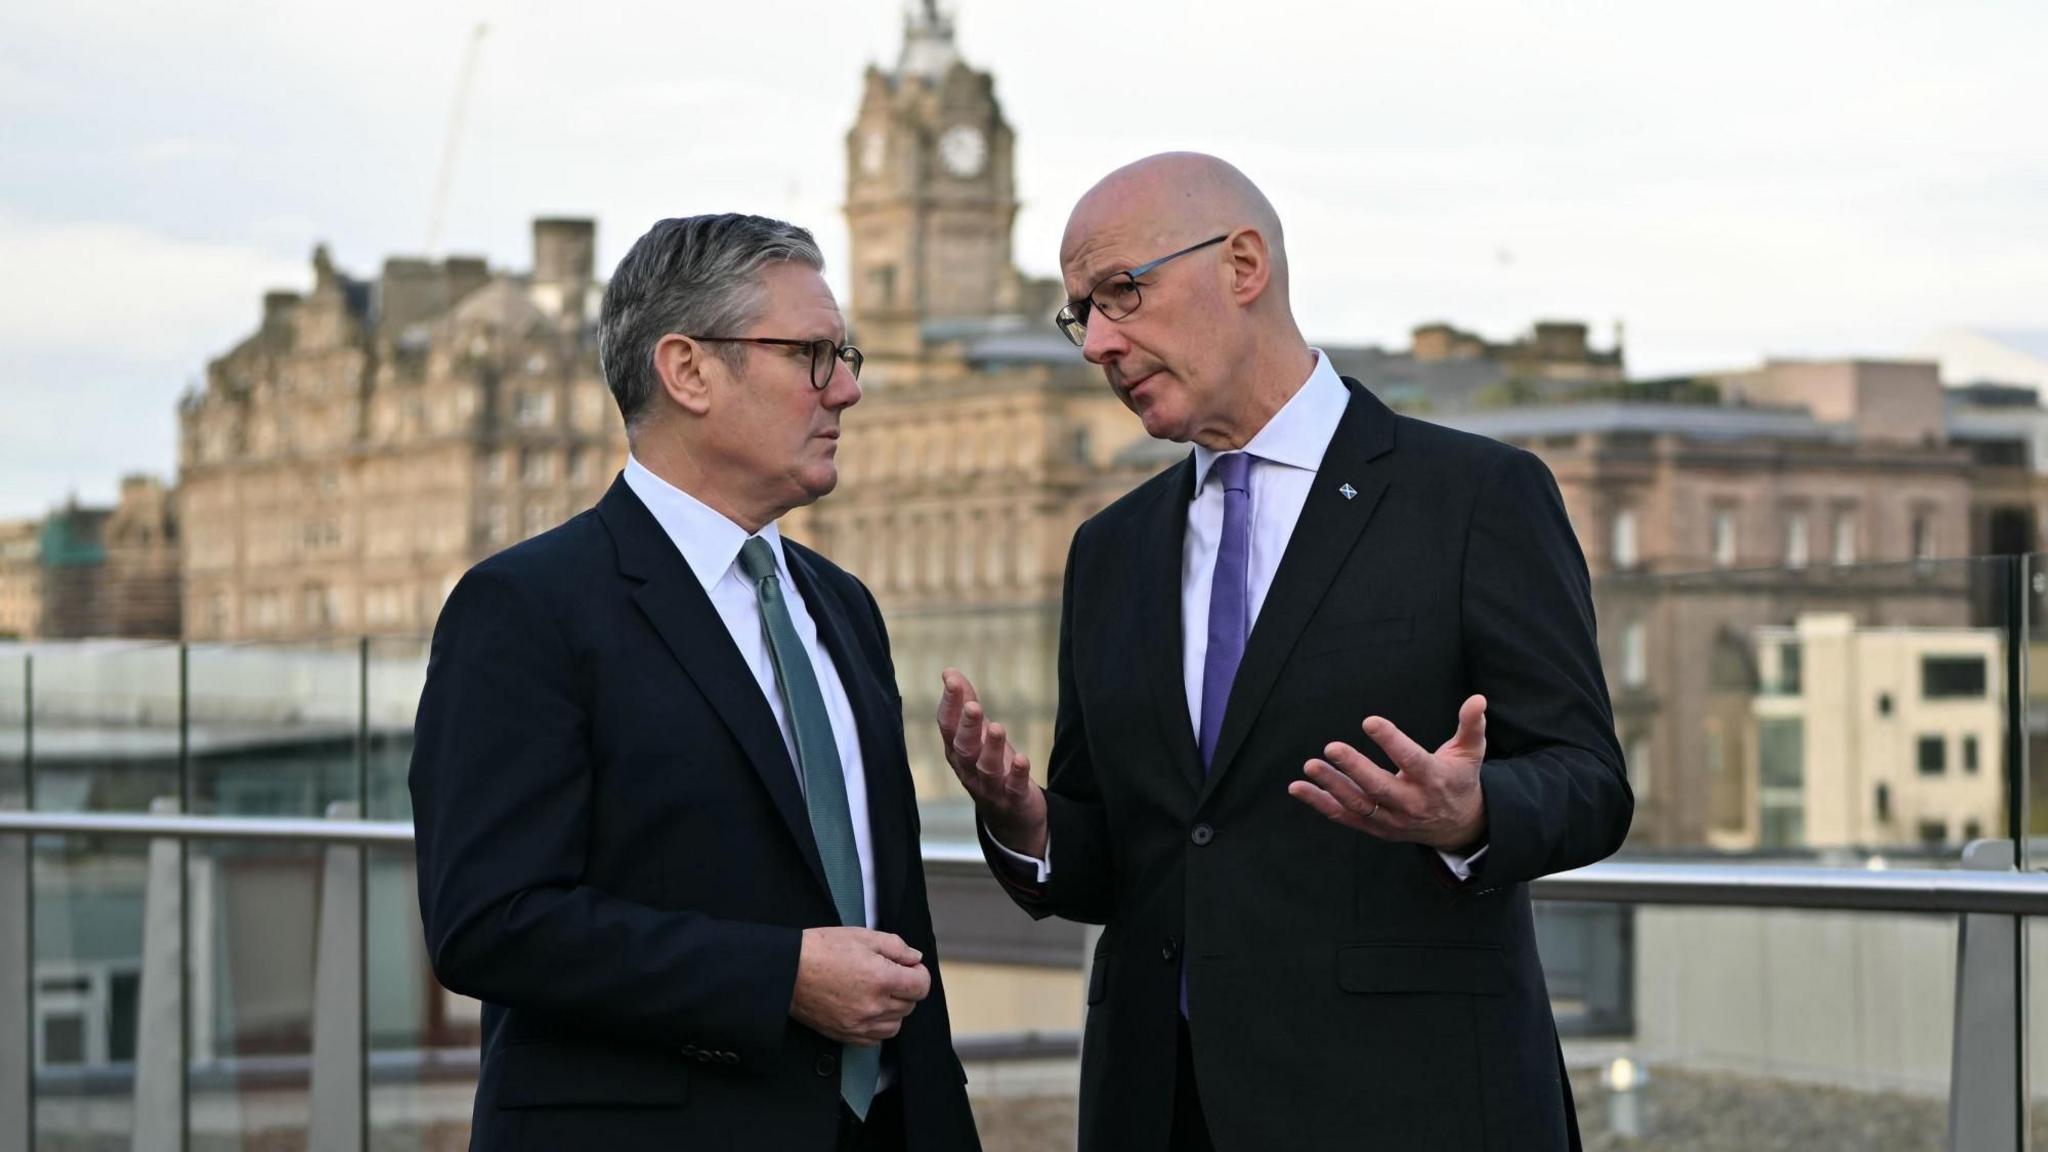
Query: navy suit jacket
<point x="614" y="854"/>
<point x="1343" y="992"/>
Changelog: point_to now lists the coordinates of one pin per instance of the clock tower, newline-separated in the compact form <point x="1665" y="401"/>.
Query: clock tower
<point x="930" y="193"/>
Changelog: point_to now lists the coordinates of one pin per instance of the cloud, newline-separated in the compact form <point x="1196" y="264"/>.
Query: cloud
<point x="125" y="294"/>
<point x="173" y="149"/>
<point x="102" y="325"/>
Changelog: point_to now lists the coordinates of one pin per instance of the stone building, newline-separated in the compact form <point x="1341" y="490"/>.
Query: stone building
<point x="983" y="439"/>
<point x="88" y="571"/>
<point x="1801" y="488"/>
<point x="141" y="579"/>
<point x="21" y="578"/>
<point x="372" y="439"/>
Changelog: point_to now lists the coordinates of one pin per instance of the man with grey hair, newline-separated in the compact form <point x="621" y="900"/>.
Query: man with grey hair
<point x="666" y="827"/>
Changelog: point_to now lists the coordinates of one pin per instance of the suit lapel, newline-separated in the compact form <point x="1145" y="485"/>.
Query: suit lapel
<point x="1158" y="559"/>
<point x="884" y="771"/>
<point x="1329" y="527"/>
<point x="683" y="616"/>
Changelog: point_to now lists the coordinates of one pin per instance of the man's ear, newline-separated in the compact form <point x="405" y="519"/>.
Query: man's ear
<point x="682" y="364"/>
<point x="1251" y="265"/>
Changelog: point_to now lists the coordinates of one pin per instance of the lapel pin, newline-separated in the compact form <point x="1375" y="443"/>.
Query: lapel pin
<point x="1348" y="491"/>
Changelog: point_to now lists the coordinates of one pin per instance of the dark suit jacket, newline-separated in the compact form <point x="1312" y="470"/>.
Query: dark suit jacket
<point x="1343" y="991"/>
<point x="614" y="854"/>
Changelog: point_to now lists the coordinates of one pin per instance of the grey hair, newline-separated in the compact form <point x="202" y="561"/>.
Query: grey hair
<point x="694" y="275"/>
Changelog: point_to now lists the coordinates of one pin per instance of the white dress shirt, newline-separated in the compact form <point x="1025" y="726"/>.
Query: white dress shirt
<point x="1286" y="455"/>
<point x="711" y="543"/>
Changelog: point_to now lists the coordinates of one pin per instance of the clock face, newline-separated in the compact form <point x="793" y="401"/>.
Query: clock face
<point x="963" y="150"/>
<point x="874" y="149"/>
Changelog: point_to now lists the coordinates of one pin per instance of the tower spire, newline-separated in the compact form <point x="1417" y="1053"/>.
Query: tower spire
<point x="928" y="48"/>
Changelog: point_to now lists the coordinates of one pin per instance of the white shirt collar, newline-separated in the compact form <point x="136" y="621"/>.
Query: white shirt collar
<point x="1300" y="431"/>
<point x="704" y="536"/>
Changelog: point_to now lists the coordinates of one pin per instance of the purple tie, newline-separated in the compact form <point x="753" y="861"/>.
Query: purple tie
<point x="1230" y="598"/>
<point x="1230" y="617"/>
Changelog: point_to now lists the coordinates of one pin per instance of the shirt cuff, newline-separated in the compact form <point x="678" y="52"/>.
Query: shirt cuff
<point x="1460" y="866"/>
<point x="1022" y="866"/>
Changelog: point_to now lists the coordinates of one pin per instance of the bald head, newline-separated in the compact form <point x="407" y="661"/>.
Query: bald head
<point x="1176" y="280"/>
<point x="1169" y="200"/>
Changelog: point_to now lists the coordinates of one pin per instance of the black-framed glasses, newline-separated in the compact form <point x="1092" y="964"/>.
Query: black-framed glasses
<point x="1116" y="295"/>
<point x="824" y="354"/>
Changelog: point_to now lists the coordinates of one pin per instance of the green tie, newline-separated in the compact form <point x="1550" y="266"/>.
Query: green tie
<point x="824" y="782"/>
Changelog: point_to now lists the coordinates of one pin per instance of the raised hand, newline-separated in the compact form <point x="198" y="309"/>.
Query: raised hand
<point x="995" y="774"/>
<point x="1434" y="799"/>
<point x="855" y="985"/>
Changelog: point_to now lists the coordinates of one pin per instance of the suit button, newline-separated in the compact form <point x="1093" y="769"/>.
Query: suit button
<point x="1169" y="950"/>
<point x="828" y="1065"/>
<point x="1202" y="834"/>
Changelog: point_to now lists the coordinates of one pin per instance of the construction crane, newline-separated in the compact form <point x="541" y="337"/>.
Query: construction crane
<point x="438" y="214"/>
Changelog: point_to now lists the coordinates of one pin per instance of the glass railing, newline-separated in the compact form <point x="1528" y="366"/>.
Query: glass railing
<point x="1872" y="721"/>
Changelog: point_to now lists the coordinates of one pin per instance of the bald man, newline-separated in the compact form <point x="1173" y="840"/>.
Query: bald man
<point x="1329" y="700"/>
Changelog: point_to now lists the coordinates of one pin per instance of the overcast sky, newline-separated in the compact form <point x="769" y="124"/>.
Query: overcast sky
<point x="1731" y="180"/>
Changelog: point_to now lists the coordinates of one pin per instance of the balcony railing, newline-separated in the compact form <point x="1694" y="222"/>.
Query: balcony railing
<point x="1818" y="936"/>
<point x="1987" y="1109"/>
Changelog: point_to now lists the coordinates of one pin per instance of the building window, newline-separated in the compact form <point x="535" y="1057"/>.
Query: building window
<point x="534" y="409"/>
<point x="1933" y="832"/>
<point x="1791" y="676"/>
<point x="320" y="535"/>
<point x="1923" y="536"/>
<point x="539" y="518"/>
<point x="1625" y="554"/>
<point x="318" y="606"/>
<point x="906" y="553"/>
<point x="1844" y="547"/>
<point x="265" y="611"/>
<point x="1724" y="538"/>
<point x="1781" y="770"/>
<point x="1635" y="654"/>
<point x="1971" y="830"/>
<point x="1970" y="754"/>
<point x="537" y="466"/>
<point x="1639" y="766"/>
<point x="1933" y="755"/>
<point x="1952" y="677"/>
<point x="1795" y="540"/>
<point x="590" y="407"/>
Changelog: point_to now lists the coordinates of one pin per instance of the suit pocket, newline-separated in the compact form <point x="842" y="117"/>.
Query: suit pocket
<point x="1472" y="969"/>
<point x="1357" y="634"/>
<point x="546" y="1075"/>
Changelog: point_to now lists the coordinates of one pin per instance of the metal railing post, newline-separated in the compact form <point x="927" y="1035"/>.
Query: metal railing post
<point x="1988" y="1029"/>
<point x="17" y="988"/>
<point x="337" y="1123"/>
<point x="160" y="1028"/>
<point x="2019" y="629"/>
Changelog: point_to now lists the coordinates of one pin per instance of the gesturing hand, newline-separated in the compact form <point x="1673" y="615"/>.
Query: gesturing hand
<point x="995" y="774"/>
<point x="1434" y="799"/>
<point x="855" y="985"/>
